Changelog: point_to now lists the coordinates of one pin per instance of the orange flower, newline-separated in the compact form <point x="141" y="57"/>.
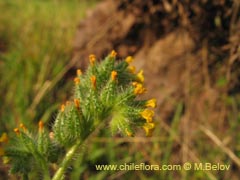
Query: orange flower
<point x="92" y="59"/>
<point x="113" y="54"/>
<point x="79" y="72"/>
<point x="76" y="81"/>
<point x="139" y="89"/>
<point x="135" y="83"/>
<point x="129" y="59"/>
<point x="40" y="126"/>
<point x="77" y="103"/>
<point x="114" y="75"/>
<point x="16" y="130"/>
<point x="62" y="108"/>
<point x="23" y="127"/>
<point x="93" y="80"/>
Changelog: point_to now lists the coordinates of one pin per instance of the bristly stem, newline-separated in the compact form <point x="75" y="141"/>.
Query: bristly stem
<point x="72" y="151"/>
<point x="66" y="161"/>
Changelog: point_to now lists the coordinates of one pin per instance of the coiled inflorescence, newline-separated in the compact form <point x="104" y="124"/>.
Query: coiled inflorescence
<point x="107" y="93"/>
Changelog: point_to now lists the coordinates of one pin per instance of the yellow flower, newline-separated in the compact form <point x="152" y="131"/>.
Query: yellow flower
<point x="113" y="54"/>
<point x="147" y="114"/>
<point x="130" y="134"/>
<point x="79" y="72"/>
<point x="139" y="89"/>
<point x="76" y="81"/>
<point x="148" y="127"/>
<point x="4" y="138"/>
<point x="92" y="59"/>
<point x="114" y="75"/>
<point x="93" y="80"/>
<point x="132" y="69"/>
<point x="140" y="76"/>
<point x="151" y="103"/>
<point x="129" y="59"/>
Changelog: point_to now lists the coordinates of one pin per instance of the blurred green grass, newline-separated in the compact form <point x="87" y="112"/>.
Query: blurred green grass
<point x="36" y="43"/>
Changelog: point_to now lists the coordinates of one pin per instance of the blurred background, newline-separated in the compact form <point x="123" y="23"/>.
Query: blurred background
<point x="190" y="54"/>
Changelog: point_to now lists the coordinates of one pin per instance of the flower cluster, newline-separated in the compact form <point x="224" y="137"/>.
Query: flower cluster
<point x="107" y="93"/>
<point x="139" y="89"/>
<point x="27" y="151"/>
<point x="107" y="90"/>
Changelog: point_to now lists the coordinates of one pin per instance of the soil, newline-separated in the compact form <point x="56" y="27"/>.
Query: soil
<point x="190" y="54"/>
<point x="185" y="49"/>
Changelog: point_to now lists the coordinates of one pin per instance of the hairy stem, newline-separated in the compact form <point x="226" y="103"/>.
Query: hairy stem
<point x="68" y="157"/>
<point x="43" y="163"/>
<point x="46" y="174"/>
<point x="66" y="161"/>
